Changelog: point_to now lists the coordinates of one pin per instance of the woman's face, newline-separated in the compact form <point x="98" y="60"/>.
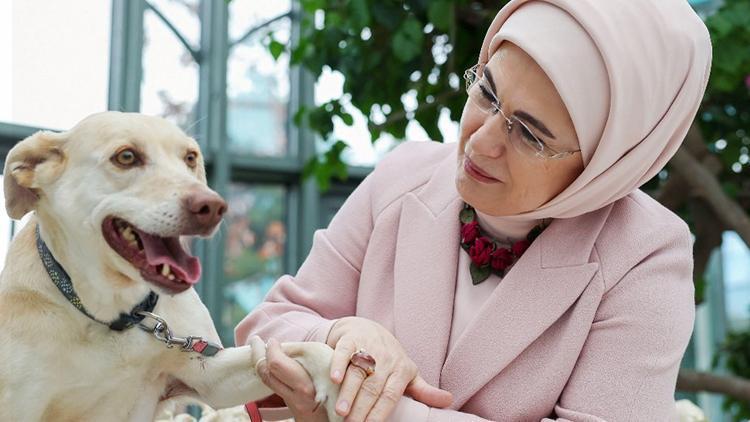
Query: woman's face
<point x="495" y="177"/>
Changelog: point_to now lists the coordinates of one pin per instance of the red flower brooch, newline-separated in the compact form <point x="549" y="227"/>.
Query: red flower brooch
<point x="487" y="256"/>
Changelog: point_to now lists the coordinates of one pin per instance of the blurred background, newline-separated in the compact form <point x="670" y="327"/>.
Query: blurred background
<point x="294" y="101"/>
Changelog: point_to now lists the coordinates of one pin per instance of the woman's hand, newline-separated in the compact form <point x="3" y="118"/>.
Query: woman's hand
<point x="288" y="379"/>
<point x="374" y="397"/>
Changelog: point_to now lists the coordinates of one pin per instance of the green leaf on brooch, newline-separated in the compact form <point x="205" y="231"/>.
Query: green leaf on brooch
<point x="534" y="233"/>
<point x="466" y="215"/>
<point x="479" y="274"/>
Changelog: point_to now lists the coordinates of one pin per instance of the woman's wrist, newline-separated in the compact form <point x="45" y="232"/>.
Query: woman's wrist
<point x="333" y="335"/>
<point x="318" y="415"/>
<point x="328" y="336"/>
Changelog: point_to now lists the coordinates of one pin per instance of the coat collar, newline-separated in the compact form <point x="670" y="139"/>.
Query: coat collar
<point x="542" y="285"/>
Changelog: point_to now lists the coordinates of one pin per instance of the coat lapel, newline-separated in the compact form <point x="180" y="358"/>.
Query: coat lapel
<point x="425" y="280"/>
<point x="542" y="285"/>
<point x="425" y="269"/>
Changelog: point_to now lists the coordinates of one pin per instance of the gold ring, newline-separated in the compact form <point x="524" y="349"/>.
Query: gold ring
<point x="364" y="361"/>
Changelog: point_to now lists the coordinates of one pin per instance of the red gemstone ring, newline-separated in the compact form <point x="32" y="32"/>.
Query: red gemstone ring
<point x="363" y="361"/>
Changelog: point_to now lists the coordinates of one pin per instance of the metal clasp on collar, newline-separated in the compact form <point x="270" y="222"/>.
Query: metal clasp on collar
<point x="161" y="331"/>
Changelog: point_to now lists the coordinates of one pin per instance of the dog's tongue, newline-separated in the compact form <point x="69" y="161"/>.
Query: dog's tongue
<point x="167" y="250"/>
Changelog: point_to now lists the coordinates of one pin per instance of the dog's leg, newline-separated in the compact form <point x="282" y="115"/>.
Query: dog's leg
<point x="229" y="379"/>
<point x="225" y="379"/>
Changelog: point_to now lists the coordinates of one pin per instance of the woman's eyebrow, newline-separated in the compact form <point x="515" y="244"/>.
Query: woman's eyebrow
<point x="490" y="80"/>
<point x="534" y="122"/>
<point x="520" y="113"/>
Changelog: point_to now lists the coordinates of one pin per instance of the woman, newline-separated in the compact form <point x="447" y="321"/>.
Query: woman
<point x="524" y="273"/>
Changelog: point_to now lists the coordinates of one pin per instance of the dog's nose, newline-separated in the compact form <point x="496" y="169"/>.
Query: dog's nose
<point x="206" y="208"/>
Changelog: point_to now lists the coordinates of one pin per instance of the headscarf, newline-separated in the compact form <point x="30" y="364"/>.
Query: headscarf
<point x="631" y="74"/>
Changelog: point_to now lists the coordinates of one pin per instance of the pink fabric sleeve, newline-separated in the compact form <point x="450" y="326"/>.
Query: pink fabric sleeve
<point x="305" y="306"/>
<point x="409" y="410"/>
<point x="628" y="367"/>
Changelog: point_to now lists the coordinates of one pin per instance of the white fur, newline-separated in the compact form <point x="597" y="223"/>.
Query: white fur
<point x="56" y="363"/>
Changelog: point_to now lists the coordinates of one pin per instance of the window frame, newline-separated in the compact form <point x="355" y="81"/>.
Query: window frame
<point x="303" y="196"/>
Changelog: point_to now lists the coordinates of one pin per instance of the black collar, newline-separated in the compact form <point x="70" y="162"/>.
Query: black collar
<point x="63" y="283"/>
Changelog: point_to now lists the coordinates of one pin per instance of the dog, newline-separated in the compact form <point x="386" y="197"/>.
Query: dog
<point x="99" y="320"/>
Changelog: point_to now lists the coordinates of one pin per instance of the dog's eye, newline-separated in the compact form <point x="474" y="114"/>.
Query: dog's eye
<point x="191" y="159"/>
<point x="126" y="158"/>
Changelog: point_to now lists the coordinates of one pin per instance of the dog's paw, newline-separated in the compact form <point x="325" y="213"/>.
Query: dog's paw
<point x="316" y="359"/>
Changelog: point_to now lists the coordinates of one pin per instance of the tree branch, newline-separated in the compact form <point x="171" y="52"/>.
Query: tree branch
<point x="195" y="53"/>
<point x="258" y="27"/>
<point x="705" y="185"/>
<point x="693" y="381"/>
<point x="708" y="236"/>
<point x="673" y="193"/>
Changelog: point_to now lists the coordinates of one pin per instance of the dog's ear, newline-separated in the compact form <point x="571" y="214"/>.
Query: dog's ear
<point x="31" y="164"/>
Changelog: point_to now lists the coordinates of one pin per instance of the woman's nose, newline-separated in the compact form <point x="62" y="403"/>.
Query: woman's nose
<point x="490" y="139"/>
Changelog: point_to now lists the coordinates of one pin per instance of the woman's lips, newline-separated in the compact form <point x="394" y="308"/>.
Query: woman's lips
<point x="477" y="173"/>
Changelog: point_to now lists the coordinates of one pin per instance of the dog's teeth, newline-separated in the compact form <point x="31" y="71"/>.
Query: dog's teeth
<point x="165" y="270"/>
<point x="128" y="234"/>
<point x="171" y="276"/>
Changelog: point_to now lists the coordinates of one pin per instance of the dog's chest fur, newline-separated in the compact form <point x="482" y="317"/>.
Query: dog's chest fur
<point x="60" y="366"/>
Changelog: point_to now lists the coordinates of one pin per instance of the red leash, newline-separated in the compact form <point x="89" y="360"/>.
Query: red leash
<point x="253" y="412"/>
<point x="271" y="401"/>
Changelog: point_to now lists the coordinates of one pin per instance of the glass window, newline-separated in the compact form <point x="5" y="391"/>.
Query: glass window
<point x="736" y="271"/>
<point x="56" y="63"/>
<point x="255" y="242"/>
<point x="258" y="84"/>
<point x="169" y="87"/>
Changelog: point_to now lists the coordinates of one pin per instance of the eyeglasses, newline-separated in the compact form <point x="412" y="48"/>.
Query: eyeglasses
<point x="521" y="136"/>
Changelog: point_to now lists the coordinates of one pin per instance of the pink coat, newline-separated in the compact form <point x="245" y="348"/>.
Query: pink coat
<point x="589" y="325"/>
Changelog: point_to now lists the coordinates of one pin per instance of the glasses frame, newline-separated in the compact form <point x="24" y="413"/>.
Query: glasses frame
<point x="471" y="77"/>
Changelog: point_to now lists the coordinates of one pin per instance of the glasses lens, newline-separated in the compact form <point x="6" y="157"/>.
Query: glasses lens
<point x="480" y="99"/>
<point x="524" y="140"/>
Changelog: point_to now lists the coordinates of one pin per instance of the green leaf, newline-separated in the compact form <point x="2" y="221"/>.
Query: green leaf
<point x="310" y="6"/>
<point x="479" y="274"/>
<point x="321" y="120"/>
<point x="299" y="116"/>
<point x="407" y="42"/>
<point x="720" y="24"/>
<point x="387" y="14"/>
<point x="327" y="166"/>
<point x="360" y="13"/>
<point x="334" y="19"/>
<point x="467" y="215"/>
<point x="440" y="14"/>
<point x="700" y="290"/>
<point x="304" y="51"/>
<point x="276" y="48"/>
<point x="347" y="118"/>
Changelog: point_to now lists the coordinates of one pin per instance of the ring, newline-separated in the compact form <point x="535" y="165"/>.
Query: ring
<point x="258" y="363"/>
<point x="363" y="361"/>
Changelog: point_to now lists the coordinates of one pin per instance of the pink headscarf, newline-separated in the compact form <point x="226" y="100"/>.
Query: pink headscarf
<point x="631" y="73"/>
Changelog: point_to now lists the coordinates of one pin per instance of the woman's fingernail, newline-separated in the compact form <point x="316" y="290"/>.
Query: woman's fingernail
<point x="342" y="406"/>
<point x="337" y="375"/>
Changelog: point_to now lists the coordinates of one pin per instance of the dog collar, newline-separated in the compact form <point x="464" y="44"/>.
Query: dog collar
<point x="61" y="279"/>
